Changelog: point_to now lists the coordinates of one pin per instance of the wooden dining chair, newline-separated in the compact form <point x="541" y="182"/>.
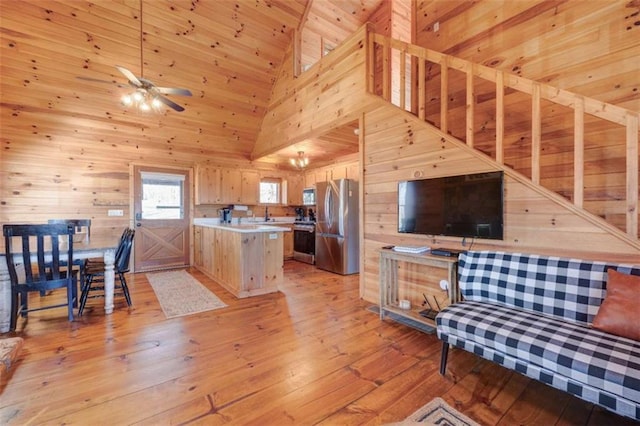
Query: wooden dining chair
<point x="37" y="259"/>
<point x="82" y="235"/>
<point x="94" y="274"/>
<point x="82" y="228"/>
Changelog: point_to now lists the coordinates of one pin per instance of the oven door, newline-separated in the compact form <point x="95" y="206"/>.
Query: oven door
<point x="304" y="243"/>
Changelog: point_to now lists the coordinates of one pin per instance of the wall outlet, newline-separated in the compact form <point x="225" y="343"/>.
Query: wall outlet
<point x="115" y="213"/>
<point x="436" y="27"/>
<point x="249" y="213"/>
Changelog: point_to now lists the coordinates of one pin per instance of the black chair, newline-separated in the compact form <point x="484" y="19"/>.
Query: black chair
<point x="44" y="265"/>
<point x="82" y="227"/>
<point x="82" y="230"/>
<point x="99" y="261"/>
<point x="94" y="273"/>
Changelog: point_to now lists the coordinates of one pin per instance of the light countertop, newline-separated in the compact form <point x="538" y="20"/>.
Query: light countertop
<point x="243" y="227"/>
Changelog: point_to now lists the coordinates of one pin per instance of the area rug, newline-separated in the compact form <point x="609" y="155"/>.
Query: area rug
<point x="437" y="412"/>
<point x="181" y="294"/>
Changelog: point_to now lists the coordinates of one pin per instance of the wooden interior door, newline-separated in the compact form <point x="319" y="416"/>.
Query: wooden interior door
<point x="161" y="218"/>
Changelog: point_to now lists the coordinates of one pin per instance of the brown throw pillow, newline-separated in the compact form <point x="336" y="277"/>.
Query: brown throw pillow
<point x="619" y="313"/>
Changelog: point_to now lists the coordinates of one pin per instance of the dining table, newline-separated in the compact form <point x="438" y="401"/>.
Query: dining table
<point x="96" y="247"/>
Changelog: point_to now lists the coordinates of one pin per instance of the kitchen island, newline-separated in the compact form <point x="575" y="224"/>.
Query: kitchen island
<point x="246" y="259"/>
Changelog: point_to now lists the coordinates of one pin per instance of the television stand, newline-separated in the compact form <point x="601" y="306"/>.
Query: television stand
<point x="441" y="251"/>
<point x="389" y="286"/>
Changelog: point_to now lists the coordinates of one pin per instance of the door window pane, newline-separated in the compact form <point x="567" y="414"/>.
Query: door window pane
<point x="162" y="196"/>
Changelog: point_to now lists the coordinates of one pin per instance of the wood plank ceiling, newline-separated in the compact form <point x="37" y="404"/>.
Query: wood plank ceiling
<point x="59" y="80"/>
<point x="59" y="58"/>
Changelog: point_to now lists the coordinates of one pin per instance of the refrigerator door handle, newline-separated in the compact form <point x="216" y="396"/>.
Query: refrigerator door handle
<point x="342" y="208"/>
<point x="328" y="207"/>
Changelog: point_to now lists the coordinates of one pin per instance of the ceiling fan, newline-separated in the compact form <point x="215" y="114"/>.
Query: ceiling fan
<point x="146" y="94"/>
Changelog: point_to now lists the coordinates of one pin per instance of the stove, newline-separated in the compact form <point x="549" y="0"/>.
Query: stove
<point x="304" y="241"/>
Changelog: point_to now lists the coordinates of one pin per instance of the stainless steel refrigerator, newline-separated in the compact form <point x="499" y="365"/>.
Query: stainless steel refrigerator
<point x="337" y="243"/>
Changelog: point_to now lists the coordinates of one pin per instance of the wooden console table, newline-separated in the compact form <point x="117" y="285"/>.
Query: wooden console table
<point x="389" y="281"/>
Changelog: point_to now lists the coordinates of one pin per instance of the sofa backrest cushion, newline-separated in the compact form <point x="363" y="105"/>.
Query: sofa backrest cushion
<point x="571" y="289"/>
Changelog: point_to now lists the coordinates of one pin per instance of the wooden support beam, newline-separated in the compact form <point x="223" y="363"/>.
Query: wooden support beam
<point x="444" y="95"/>
<point x="470" y="105"/>
<point x="578" y="153"/>
<point x="536" y="133"/>
<point x="500" y="117"/>
<point x="632" y="175"/>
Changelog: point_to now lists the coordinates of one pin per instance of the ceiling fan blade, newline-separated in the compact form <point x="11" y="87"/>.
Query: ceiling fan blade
<point x="130" y="76"/>
<point x="173" y="91"/>
<point x="97" y="80"/>
<point x="170" y="103"/>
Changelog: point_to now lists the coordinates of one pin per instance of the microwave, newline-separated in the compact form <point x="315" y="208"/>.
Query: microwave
<point x="309" y="196"/>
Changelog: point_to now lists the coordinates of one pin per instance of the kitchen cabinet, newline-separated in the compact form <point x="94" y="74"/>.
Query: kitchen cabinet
<point x="309" y="180"/>
<point x="338" y="172"/>
<point x="220" y="185"/>
<point x="353" y="171"/>
<point x="250" y="190"/>
<point x="295" y="185"/>
<point x="207" y="185"/>
<point x="230" y="186"/>
<point x="245" y="261"/>
<point x="288" y="244"/>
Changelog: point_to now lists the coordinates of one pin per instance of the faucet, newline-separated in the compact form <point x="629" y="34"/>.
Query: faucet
<point x="266" y="214"/>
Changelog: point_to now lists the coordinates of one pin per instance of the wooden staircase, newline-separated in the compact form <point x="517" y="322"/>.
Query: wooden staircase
<point x="508" y="118"/>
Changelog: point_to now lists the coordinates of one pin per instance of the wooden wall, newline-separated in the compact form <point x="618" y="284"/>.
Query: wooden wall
<point x="327" y="96"/>
<point x="44" y="177"/>
<point x="398" y="146"/>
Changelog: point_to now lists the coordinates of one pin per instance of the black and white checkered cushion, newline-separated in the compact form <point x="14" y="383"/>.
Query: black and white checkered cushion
<point x="572" y="289"/>
<point x="591" y="364"/>
<point x="532" y="314"/>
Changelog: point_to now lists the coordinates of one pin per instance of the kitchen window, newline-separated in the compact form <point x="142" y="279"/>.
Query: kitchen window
<point x="270" y="191"/>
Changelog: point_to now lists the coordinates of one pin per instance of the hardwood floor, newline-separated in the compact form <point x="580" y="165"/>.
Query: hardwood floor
<point x="310" y="354"/>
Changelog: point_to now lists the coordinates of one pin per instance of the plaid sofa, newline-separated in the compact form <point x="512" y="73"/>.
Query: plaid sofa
<point x="532" y="314"/>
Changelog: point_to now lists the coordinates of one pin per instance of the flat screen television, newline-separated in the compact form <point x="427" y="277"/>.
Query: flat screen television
<point x="460" y="206"/>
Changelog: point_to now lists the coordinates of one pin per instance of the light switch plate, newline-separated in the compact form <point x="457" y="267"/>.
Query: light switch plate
<point x="115" y="213"/>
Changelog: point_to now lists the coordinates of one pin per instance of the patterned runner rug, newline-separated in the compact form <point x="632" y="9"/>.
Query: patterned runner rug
<point x="437" y="412"/>
<point x="181" y="294"/>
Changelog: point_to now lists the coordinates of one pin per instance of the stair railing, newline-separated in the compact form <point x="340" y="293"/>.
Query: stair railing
<point x="581" y="105"/>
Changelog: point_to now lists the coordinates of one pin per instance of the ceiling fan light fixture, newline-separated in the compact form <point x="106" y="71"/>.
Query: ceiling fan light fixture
<point x="144" y="106"/>
<point x="126" y="100"/>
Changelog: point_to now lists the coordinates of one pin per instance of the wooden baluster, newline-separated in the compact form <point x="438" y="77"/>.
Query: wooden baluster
<point x="297" y="52"/>
<point x="371" y="47"/>
<point x="632" y="174"/>
<point x="444" y="94"/>
<point x="500" y="117"/>
<point x="470" y="105"/>
<point x="403" y="78"/>
<point x="422" y="95"/>
<point x="386" y="71"/>
<point x="578" y="153"/>
<point x="536" y="132"/>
